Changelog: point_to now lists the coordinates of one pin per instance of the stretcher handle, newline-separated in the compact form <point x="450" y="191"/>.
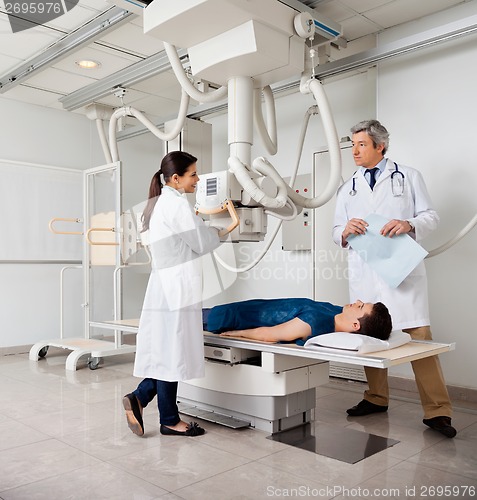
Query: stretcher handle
<point x="103" y="229"/>
<point x="56" y="219"/>
<point x="226" y="205"/>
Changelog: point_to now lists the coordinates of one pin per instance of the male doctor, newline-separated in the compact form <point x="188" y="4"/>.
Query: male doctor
<point x="399" y="194"/>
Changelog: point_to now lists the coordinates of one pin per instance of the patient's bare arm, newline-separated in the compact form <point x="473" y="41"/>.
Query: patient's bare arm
<point x="286" y="332"/>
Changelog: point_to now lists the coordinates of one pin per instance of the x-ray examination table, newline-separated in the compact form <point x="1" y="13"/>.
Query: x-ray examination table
<point x="273" y="386"/>
<point x="270" y="386"/>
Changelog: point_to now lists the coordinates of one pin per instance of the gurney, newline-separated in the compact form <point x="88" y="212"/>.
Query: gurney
<point x="271" y="386"/>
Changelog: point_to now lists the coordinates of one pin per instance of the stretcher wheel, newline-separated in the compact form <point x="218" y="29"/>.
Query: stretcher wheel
<point x="42" y="352"/>
<point x="93" y="363"/>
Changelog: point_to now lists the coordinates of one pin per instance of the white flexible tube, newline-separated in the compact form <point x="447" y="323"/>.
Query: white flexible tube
<point x="260" y="165"/>
<point x="268" y="133"/>
<point x="103" y="139"/>
<point x="455" y="239"/>
<point x="333" y="146"/>
<point x="158" y="133"/>
<point x="186" y="84"/>
<point x="288" y="204"/>
<point x="113" y="143"/>
<point x="129" y="111"/>
<point x="256" y="261"/>
<point x="310" y="111"/>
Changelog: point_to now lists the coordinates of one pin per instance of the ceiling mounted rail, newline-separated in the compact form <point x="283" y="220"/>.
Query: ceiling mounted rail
<point x="446" y="33"/>
<point x="82" y="36"/>
<point x="141" y="70"/>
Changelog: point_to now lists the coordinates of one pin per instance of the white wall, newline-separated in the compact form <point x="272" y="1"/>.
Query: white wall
<point x="29" y="293"/>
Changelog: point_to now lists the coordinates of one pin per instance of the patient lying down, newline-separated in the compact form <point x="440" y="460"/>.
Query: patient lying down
<point x="296" y="319"/>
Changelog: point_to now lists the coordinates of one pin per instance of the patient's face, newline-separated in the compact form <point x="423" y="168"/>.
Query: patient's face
<point x="353" y="312"/>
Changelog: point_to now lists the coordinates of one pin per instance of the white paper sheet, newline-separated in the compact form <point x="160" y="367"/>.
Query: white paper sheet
<point x="391" y="258"/>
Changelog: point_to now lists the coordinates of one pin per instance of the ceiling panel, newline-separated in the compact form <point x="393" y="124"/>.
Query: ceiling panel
<point x="73" y="19"/>
<point x="108" y="58"/>
<point x="358" y="26"/>
<point x="130" y="38"/>
<point x="24" y="44"/>
<point x="7" y="62"/>
<point x="164" y="85"/>
<point x="365" y="5"/>
<point x="402" y="11"/>
<point x="126" y="44"/>
<point x="100" y="5"/>
<point x="336" y="11"/>
<point x="157" y="106"/>
<point x="32" y="95"/>
<point x="59" y="81"/>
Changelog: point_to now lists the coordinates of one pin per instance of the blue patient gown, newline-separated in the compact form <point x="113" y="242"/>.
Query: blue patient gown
<point x="271" y="312"/>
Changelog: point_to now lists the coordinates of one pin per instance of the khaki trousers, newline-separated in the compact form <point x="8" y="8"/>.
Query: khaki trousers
<point x="429" y="379"/>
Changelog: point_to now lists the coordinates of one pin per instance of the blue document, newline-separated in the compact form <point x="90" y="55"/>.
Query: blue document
<point x="391" y="258"/>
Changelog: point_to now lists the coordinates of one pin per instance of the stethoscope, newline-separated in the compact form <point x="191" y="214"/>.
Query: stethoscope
<point x="397" y="182"/>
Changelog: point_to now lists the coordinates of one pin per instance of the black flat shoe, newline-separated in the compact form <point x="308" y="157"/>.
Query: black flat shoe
<point x="365" y="408"/>
<point x="192" y="430"/>
<point x="133" y="414"/>
<point x="442" y="425"/>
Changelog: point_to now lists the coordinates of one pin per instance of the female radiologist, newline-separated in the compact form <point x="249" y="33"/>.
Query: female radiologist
<point x="169" y="342"/>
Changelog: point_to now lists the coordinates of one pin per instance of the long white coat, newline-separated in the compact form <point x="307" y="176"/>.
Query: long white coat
<point x="408" y="303"/>
<point x="170" y="344"/>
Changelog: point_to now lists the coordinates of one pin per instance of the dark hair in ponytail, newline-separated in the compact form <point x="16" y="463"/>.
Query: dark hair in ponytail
<point x="175" y="162"/>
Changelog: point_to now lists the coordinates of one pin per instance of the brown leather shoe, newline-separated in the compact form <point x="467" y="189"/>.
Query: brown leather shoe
<point x="442" y="425"/>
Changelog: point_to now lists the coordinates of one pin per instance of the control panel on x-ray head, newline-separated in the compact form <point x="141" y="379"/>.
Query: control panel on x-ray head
<point x="255" y="45"/>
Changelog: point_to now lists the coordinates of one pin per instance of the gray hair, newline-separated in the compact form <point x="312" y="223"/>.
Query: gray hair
<point x="375" y="130"/>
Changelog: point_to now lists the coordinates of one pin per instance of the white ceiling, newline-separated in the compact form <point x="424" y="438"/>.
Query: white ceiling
<point x="125" y="45"/>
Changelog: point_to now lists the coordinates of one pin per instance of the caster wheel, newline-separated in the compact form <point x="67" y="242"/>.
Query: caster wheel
<point x="42" y="352"/>
<point x="93" y="363"/>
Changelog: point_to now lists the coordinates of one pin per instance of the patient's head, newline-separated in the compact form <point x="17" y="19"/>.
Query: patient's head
<point x="376" y="324"/>
<point x="365" y="318"/>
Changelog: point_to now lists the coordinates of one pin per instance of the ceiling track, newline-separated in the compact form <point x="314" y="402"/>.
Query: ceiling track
<point x="127" y="77"/>
<point x="404" y="46"/>
<point x="367" y="58"/>
<point x="60" y="49"/>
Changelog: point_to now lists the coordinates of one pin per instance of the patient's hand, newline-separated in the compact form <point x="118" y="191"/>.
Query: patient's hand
<point x="233" y="333"/>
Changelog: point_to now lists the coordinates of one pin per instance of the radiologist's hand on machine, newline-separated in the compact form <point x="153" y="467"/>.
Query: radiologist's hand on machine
<point x="354" y="226"/>
<point x="227" y="205"/>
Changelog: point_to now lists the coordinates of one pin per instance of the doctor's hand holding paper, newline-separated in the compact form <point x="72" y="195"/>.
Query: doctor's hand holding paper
<point x="397" y="194"/>
<point x="392" y="228"/>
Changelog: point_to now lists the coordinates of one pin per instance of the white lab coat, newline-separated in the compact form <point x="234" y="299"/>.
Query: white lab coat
<point x="408" y="303"/>
<point x="170" y="343"/>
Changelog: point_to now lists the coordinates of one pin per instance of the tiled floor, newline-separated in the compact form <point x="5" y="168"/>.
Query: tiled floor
<point x="63" y="435"/>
